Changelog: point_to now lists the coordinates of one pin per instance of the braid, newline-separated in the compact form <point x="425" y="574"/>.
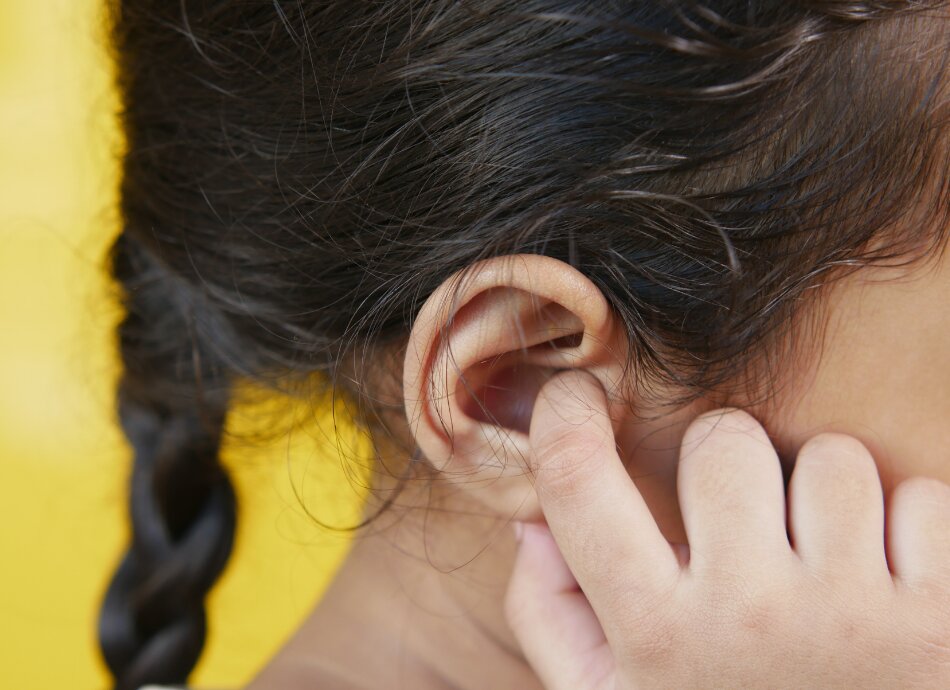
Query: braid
<point x="172" y="403"/>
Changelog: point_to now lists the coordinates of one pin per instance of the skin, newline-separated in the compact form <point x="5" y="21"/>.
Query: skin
<point x="420" y="603"/>
<point x="744" y="607"/>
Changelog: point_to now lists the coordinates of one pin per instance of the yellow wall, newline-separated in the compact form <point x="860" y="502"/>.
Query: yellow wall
<point x="62" y="462"/>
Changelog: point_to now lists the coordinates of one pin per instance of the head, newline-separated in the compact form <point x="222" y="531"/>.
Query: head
<point x="432" y="208"/>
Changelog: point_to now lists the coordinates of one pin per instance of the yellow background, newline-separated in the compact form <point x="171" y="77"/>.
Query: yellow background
<point x="63" y="464"/>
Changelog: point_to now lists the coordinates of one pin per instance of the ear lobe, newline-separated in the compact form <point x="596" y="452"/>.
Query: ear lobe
<point x="482" y="347"/>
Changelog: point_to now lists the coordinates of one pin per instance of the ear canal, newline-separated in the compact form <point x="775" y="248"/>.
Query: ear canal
<point x="502" y="394"/>
<point x="501" y="391"/>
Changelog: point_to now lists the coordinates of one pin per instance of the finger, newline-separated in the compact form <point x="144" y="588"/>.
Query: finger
<point x="836" y="508"/>
<point x="731" y="491"/>
<point x="918" y="538"/>
<point x="598" y="518"/>
<point x="552" y="620"/>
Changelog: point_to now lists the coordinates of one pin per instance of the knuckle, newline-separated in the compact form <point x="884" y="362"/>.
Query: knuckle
<point x="758" y="616"/>
<point x="753" y="607"/>
<point x="551" y="438"/>
<point x="654" y="636"/>
<point x="851" y="619"/>
<point x="662" y="649"/>
<point x="567" y="464"/>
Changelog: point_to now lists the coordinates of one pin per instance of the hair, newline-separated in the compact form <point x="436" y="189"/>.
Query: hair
<point x="300" y="176"/>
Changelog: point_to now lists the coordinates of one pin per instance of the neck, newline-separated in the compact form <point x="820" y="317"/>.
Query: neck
<point x="417" y="604"/>
<point x="419" y="601"/>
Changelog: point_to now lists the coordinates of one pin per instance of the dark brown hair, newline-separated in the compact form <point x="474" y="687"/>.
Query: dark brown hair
<point x="299" y="176"/>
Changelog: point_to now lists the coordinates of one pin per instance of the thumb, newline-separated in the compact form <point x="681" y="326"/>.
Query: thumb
<point x="552" y="619"/>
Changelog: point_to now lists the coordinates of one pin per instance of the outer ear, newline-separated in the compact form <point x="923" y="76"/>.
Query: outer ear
<point x="480" y="350"/>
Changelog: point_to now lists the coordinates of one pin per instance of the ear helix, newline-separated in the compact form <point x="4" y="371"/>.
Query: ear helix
<point x="483" y="345"/>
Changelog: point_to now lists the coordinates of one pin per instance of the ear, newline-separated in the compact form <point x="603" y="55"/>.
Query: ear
<point x="480" y="350"/>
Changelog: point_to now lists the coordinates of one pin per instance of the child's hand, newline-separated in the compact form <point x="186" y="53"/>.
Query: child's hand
<point x="749" y="609"/>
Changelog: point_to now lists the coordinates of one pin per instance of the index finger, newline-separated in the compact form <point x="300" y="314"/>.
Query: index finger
<point x="599" y="520"/>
